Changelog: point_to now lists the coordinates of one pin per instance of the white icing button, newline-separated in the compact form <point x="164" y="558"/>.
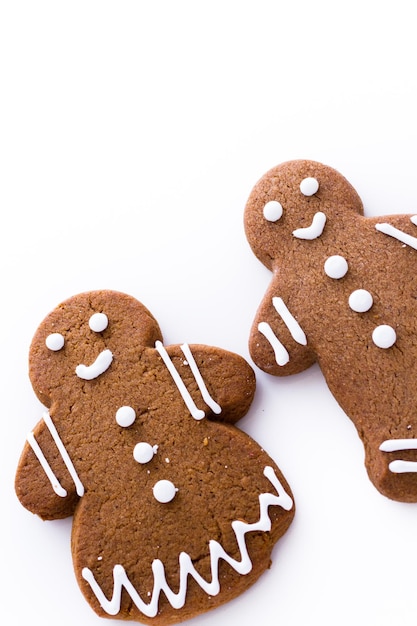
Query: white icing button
<point x="336" y="266"/>
<point x="309" y="186"/>
<point x="273" y="211"/>
<point x="55" y="342"/>
<point x="125" y="416"/>
<point x="384" y="336"/>
<point x="360" y="300"/>
<point x="164" y="491"/>
<point x="98" y="322"/>
<point x="143" y="452"/>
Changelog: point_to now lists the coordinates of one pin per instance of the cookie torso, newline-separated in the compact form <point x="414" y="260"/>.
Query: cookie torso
<point x="161" y="475"/>
<point x="348" y="283"/>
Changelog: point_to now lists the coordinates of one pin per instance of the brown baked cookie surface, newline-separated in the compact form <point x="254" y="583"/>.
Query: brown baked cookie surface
<point x="344" y="293"/>
<point x="175" y="509"/>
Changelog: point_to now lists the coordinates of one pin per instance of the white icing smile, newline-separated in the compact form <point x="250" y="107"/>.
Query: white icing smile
<point x="100" y="365"/>
<point x="315" y="229"/>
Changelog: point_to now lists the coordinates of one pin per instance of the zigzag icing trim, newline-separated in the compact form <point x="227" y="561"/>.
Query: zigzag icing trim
<point x="186" y="567"/>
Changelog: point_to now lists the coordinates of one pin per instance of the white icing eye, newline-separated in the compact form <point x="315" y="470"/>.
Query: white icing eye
<point x="55" y="342"/>
<point x="384" y="336"/>
<point x="98" y="322"/>
<point x="309" y="186"/>
<point x="143" y="452"/>
<point x="360" y="301"/>
<point x="273" y="211"/>
<point x="164" y="491"/>
<point x="336" y="266"/>
<point x="125" y="416"/>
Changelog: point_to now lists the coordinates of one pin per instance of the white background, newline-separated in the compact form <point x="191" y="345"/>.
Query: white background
<point x="131" y="136"/>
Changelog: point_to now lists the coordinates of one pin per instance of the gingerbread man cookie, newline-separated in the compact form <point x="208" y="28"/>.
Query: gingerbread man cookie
<point x="175" y="509"/>
<point x="343" y="293"/>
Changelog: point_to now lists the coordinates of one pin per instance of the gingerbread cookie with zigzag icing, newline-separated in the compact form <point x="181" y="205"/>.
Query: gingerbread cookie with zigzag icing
<point x="343" y="293"/>
<point x="175" y="510"/>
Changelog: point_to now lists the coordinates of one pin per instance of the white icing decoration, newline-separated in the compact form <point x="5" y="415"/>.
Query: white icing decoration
<point x="314" y="231"/>
<point x="391" y="231"/>
<point x="394" y="445"/>
<point x="125" y="416"/>
<point x="336" y="266"/>
<point x="100" y="365"/>
<point x="360" y="300"/>
<point x="186" y="567"/>
<point x="56" y="485"/>
<point x="413" y="220"/>
<point x="273" y="211"/>
<point x="289" y="320"/>
<point x="384" y="336"/>
<point x="216" y="408"/>
<point x="59" y="490"/>
<point x="55" y="342"/>
<point x="197" y="414"/>
<point x="164" y="491"/>
<point x="143" y="452"/>
<point x="403" y="467"/>
<point x="309" y="186"/>
<point x="281" y="354"/>
<point x="98" y="322"/>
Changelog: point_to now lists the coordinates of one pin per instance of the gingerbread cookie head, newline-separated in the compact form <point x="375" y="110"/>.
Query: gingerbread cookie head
<point x="78" y="338"/>
<point x="343" y="293"/>
<point x="175" y="510"/>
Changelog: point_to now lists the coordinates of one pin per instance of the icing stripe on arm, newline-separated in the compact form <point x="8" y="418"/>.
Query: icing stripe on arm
<point x="216" y="408"/>
<point x="281" y="354"/>
<point x="64" y="454"/>
<point x="397" y="445"/>
<point x="57" y="487"/>
<point x="391" y="231"/>
<point x="197" y="413"/>
<point x="289" y="320"/>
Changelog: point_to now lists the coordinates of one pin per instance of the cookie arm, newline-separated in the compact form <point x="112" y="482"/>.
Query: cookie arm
<point x="214" y="383"/>
<point x="43" y="483"/>
<point x="278" y="343"/>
